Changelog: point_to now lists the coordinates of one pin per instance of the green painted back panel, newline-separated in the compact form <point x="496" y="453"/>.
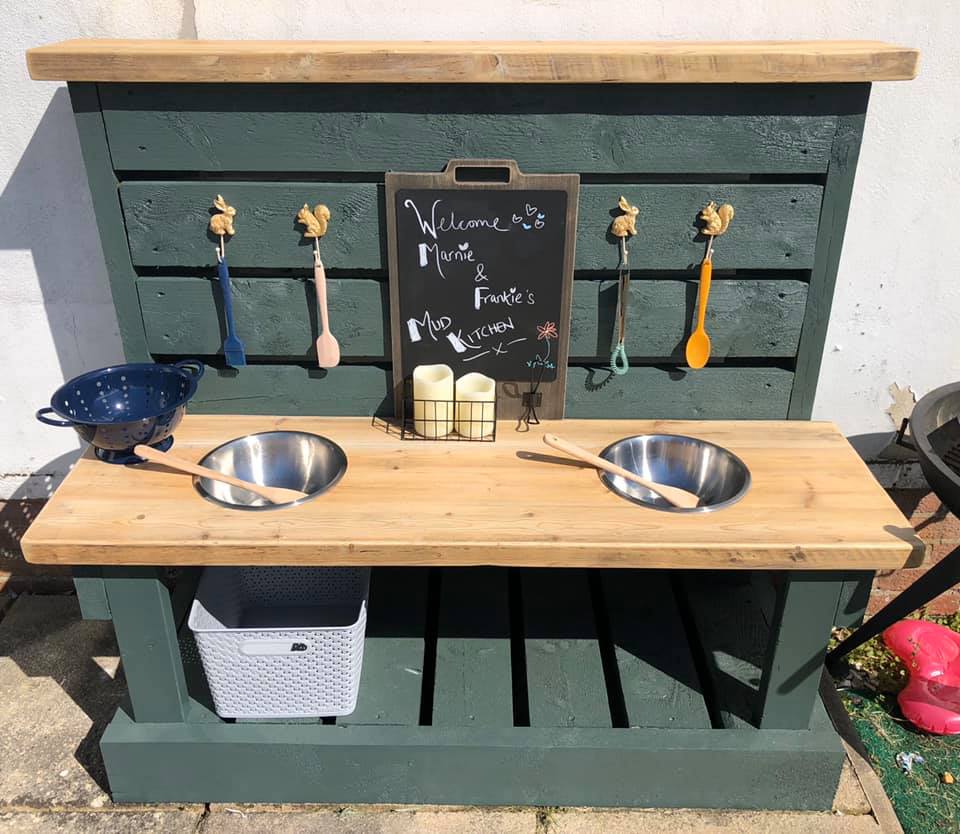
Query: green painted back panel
<point x="357" y="128"/>
<point x="163" y="151"/>
<point x="277" y="317"/>
<point x="775" y="226"/>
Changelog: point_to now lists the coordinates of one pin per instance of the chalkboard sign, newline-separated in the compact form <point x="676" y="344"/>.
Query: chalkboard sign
<point x="481" y="261"/>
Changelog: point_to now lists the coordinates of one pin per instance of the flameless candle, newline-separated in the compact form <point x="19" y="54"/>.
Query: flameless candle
<point x="475" y="397"/>
<point x="433" y="400"/>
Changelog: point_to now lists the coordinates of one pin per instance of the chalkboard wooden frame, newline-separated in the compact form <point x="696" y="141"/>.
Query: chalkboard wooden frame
<point x="510" y="393"/>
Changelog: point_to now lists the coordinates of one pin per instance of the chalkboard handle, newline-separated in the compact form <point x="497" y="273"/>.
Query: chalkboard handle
<point x="484" y="172"/>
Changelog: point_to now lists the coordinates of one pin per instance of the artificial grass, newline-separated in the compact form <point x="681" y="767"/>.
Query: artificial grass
<point x="923" y="802"/>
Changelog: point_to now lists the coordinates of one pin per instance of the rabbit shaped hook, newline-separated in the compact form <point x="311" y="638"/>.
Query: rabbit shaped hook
<point x="222" y="223"/>
<point x="626" y="224"/>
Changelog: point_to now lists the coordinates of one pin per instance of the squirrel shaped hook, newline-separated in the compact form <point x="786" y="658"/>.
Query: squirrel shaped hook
<point x="623" y="227"/>
<point x="222" y="223"/>
<point x="715" y="221"/>
<point x="316" y="223"/>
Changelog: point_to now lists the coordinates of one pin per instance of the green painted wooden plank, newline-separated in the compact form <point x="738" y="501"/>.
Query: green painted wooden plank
<point x="473" y="674"/>
<point x="274" y="316"/>
<point x="147" y="637"/>
<point x="833" y="222"/>
<point x="471" y="765"/>
<point x="293" y="390"/>
<point x="728" y="614"/>
<point x="391" y="682"/>
<point x="854" y="596"/>
<point x="716" y="393"/>
<point x="745" y="317"/>
<point x="565" y="680"/>
<point x="106" y="204"/>
<point x="775" y="226"/>
<point x="658" y="678"/>
<point x="793" y="662"/>
<point x="91" y="594"/>
<point x="602" y="129"/>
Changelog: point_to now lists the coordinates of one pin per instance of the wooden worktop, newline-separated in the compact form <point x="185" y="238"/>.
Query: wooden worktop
<point x="813" y="505"/>
<point x="501" y="62"/>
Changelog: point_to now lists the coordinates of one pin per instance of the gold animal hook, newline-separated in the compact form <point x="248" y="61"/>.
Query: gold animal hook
<point x="715" y="222"/>
<point x="624" y="226"/>
<point x="222" y="223"/>
<point x="316" y="222"/>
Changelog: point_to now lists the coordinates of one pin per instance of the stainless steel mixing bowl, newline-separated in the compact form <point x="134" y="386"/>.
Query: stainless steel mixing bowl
<point x="291" y="459"/>
<point x="719" y="477"/>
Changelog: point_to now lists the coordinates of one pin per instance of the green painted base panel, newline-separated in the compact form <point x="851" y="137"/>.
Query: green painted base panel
<point x="468" y="766"/>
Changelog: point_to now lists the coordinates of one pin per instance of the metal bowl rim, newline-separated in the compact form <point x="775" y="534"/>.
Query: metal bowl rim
<point x="337" y="448"/>
<point x="748" y="478"/>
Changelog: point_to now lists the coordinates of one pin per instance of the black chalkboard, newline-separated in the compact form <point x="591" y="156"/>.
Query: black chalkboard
<point x="480" y="273"/>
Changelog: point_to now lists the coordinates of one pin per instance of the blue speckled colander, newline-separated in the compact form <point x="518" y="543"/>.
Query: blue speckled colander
<point x="117" y="408"/>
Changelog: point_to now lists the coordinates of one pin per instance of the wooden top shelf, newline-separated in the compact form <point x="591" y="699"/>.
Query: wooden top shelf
<point x="813" y="505"/>
<point x="468" y="62"/>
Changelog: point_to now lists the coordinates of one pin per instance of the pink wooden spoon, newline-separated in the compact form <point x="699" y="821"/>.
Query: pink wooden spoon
<point x="328" y="348"/>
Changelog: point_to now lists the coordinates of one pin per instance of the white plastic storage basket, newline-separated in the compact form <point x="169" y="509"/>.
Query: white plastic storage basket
<point x="281" y="642"/>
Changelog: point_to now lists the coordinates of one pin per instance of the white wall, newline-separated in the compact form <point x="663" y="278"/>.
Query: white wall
<point x="897" y="300"/>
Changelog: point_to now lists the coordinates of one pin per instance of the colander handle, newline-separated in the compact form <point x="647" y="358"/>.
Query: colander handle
<point x="194" y="367"/>
<point x="42" y="417"/>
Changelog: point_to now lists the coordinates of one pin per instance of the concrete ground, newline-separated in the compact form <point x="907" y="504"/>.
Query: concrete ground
<point x="59" y="685"/>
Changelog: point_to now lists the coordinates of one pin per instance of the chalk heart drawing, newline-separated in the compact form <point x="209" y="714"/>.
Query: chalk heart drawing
<point x="463" y="247"/>
<point x="531" y="210"/>
<point x="517" y="218"/>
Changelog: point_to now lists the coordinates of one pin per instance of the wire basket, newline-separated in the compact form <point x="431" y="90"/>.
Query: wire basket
<point x="457" y="420"/>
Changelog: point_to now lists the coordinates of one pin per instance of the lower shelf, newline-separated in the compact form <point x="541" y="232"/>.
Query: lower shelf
<point x="500" y="687"/>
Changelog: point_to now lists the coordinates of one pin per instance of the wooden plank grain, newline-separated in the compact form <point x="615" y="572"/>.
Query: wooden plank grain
<point x="565" y="679"/>
<point x="745" y="317"/>
<point x="373" y="128"/>
<point x="519" y="511"/>
<point x="393" y="652"/>
<point x="656" y="671"/>
<point x="294" y="390"/>
<point x="166" y="221"/>
<point x="833" y="221"/>
<point x="716" y="393"/>
<point x="277" y="317"/>
<point x="473" y="673"/>
<point x="274" y="316"/>
<point x="103" y="192"/>
<point x="557" y="62"/>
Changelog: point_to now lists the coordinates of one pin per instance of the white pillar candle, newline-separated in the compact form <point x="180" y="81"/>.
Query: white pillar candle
<point x="476" y="394"/>
<point x="433" y="400"/>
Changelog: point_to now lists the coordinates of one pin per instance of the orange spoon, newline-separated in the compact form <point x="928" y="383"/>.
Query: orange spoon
<point x="698" y="345"/>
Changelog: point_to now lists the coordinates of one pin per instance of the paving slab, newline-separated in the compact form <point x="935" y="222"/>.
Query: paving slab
<point x="58" y="690"/>
<point x="107" y="822"/>
<point x="657" y="821"/>
<point x="369" y="820"/>
<point x="850" y="797"/>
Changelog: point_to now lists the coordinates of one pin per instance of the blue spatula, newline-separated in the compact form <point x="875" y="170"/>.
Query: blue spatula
<point x="232" y="346"/>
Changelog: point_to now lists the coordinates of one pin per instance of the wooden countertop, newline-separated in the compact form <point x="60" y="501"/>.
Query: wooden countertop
<point x="463" y="62"/>
<point x="813" y="505"/>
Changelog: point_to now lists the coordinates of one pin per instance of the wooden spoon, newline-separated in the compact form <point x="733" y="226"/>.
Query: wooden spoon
<point x="676" y="496"/>
<point x="275" y="495"/>
<point x="698" y="345"/>
<point x="328" y="348"/>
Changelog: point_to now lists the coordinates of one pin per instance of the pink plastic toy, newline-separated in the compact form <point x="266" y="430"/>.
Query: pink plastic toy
<point x="931" y="653"/>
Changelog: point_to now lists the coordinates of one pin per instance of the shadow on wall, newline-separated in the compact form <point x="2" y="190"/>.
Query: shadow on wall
<point x="45" y="209"/>
<point x="47" y="224"/>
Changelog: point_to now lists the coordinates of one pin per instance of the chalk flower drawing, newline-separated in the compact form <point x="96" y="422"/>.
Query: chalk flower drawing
<point x="545" y="333"/>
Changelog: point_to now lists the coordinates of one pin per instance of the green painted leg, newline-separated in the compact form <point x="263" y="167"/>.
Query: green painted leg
<point x="804" y="615"/>
<point x="146" y="630"/>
